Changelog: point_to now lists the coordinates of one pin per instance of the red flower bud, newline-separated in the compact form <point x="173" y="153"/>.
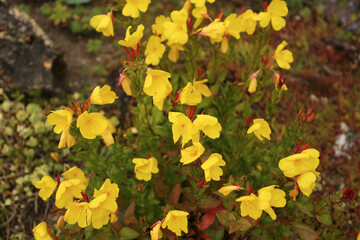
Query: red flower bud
<point x="242" y="10"/>
<point x="346" y="190"/>
<point x="265" y="5"/>
<point x="190" y="24"/>
<point x="148" y="156"/>
<point x="220" y="15"/>
<point x="127" y="51"/>
<point x="121" y="79"/>
<point x="298" y="147"/>
<point x="305" y="147"/>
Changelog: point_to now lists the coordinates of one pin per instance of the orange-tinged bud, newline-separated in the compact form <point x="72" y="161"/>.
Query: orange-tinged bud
<point x="293" y="193"/>
<point x="113" y="218"/>
<point x="60" y="222"/>
<point x="55" y="156"/>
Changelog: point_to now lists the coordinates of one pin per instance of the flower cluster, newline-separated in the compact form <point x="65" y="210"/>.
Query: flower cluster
<point x="301" y="167"/>
<point x="97" y="212"/>
<point x="90" y="125"/>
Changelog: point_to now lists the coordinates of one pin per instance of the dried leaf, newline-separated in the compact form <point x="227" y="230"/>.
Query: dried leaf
<point x="129" y="215"/>
<point x="175" y="195"/>
<point x="304" y="231"/>
<point x="225" y="217"/>
<point x="206" y="221"/>
<point x="210" y="203"/>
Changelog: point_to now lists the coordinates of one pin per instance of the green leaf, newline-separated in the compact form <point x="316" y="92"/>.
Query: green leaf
<point x="304" y="231"/>
<point x="77" y="1"/>
<point x="225" y="217"/>
<point x="127" y="233"/>
<point x="307" y="208"/>
<point x="324" y="218"/>
<point x="93" y="46"/>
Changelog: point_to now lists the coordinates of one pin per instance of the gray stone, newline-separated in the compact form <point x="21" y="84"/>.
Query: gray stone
<point x="28" y="59"/>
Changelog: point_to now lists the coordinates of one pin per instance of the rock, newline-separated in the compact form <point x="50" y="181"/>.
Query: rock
<point x="28" y="59"/>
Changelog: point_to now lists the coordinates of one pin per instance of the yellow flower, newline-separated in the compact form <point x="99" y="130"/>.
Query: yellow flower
<point x="67" y="191"/>
<point x="224" y="45"/>
<point x="283" y="57"/>
<point x="102" y="95"/>
<point x="132" y="7"/>
<point x="248" y="21"/>
<point x="232" y="25"/>
<point x="181" y="126"/>
<point x="61" y="119"/>
<point x="200" y="3"/>
<point x="190" y="154"/>
<point x="111" y="189"/>
<point x="252" y="205"/>
<point x="91" y="124"/>
<point x="66" y="139"/>
<point x="296" y="164"/>
<point x="99" y="210"/>
<point x="306" y="182"/>
<point x="75" y="173"/>
<point x="175" y="31"/>
<point x="126" y="86"/>
<point x="144" y="168"/>
<point x="192" y="94"/>
<point x="252" y="85"/>
<point x="41" y="232"/>
<point x="158" y="86"/>
<point x="275" y="197"/>
<point x="174" y="51"/>
<point x="158" y="26"/>
<point x="212" y="166"/>
<point x="103" y="23"/>
<point x="47" y="186"/>
<point x="77" y="213"/>
<point x="154" y="51"/>
<point x="176" y="221"/>
<point x="260" y="128"/>
<point x="275" y="12"/>
<point x="156" y="233"/>
<point x="107" y="134"/>
<point x="215" y="31"/>
<point x="226" y="190"/>
<point x="208" y="124"/>
<point x="131" y="40"/>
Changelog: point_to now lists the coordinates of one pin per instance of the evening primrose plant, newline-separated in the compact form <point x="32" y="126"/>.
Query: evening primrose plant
<point x="197" y="155"/>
